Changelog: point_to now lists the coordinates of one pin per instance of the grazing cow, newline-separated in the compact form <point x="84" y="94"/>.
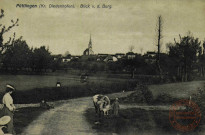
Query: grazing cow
<point x="96" y="102"/>
<point x="101" y="104"/>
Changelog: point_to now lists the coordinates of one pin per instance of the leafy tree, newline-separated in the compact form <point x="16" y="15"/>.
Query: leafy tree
<point x="136" y="65"/>
<point x="184" y="54"/>
<point x="114" y="66"/>
<point x="202" y="60"/>
<point x="94" y="68"/>
<point x="42" y="59"/>
<point x="57" y="63"/>
<point x="17" y="56"/>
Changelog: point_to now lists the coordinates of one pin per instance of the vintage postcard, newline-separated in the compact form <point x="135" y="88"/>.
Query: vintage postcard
<point x="78" y="67"/>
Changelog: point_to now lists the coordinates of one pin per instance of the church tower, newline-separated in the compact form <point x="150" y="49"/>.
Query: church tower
<point x="89" y="50"/>
<point x="90" y="43"/>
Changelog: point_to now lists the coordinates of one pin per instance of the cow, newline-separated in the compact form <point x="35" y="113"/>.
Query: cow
<point x="96" y="99"/>
<point x="101" y="104"/>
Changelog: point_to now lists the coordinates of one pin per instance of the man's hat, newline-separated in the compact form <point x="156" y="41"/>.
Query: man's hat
<point x="5" y="120"/>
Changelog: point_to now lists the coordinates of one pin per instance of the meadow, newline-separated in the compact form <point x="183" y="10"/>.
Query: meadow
<point x="28" y="82"/>
<point x="34" y="88"/>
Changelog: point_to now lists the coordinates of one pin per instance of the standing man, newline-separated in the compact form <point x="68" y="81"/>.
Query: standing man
<point x="8" y="107"/>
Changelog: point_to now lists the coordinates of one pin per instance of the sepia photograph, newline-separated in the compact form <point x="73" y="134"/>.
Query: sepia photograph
<point x="102" y="67"/>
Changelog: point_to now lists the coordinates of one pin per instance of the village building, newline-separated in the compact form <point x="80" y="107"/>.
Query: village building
<point x="130" y="55"/>
<point x="101" y="56"/>
<point x="110" y="58"/>
<point x="120" y="55"/>
<point x="64" y="59"/>
<point x="150" y="57"/>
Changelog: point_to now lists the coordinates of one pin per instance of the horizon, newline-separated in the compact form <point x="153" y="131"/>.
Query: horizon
<point x="113" y="30"/>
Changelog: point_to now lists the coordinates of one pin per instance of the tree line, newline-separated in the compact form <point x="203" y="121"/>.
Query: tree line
<point x="20" y="57"/>
<point x="16" y="55"/>
<point x="184" y="60"/>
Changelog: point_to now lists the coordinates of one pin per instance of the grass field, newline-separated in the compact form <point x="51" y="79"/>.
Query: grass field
<point x="27" y="82"/>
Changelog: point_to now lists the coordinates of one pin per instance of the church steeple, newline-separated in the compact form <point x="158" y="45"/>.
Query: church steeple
<point x="89" y="50"/>
<point x="90" y="43"/>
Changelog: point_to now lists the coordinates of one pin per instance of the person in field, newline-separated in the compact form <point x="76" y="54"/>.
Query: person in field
<point x="9" y="108"/>
<point x="116" y="107"/>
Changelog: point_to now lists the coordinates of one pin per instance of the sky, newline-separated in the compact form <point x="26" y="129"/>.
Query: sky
<point x="127" y="23"/>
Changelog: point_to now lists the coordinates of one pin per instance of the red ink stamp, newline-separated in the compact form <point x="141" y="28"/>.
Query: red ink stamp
<point x="184" y="115"/>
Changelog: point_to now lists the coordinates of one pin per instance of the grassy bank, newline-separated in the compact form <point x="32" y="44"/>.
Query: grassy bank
<point x="25" y="116"/>
<point x="138" y="121"/>
<point x="177" y="90"/>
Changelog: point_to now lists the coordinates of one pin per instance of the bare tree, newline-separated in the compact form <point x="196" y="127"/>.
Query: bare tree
<point x="141" y="50"/>
<point x="3" y="30"/>
<point x="159" y="37"/>
<point x="203" y="47"/>
<point x="131" y="48"/>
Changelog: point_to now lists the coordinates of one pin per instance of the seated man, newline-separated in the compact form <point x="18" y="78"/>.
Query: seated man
<point x="45" y="105"/>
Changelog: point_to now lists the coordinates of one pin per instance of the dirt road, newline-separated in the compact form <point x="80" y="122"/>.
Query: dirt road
<point x="69" y="119"/>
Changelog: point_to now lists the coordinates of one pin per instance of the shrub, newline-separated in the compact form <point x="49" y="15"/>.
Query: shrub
<point x="165" y="99"/>
<point x="198" y="97"/>
<point x="142" y="94"/>
<point x="147" y="94"/>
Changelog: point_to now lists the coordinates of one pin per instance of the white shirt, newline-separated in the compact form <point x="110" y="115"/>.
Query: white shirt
<point x="8" y="101"/>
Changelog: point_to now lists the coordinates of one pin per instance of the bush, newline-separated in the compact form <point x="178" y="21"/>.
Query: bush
<point x="147" y="94"/>
<point x="129" y="122"/>
<point x="165" y="99"/>
<point x="198" y="97"/>
<point x="142" y="94"/>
